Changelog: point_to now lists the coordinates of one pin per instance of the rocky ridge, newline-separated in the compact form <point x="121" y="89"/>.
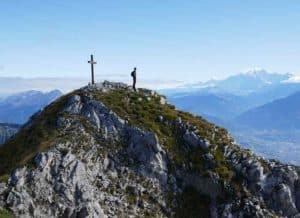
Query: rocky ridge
<point x="110" y="152"/>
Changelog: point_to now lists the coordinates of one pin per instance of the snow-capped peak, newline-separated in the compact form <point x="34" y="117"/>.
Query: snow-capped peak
<point x="254" y="71"/>
<point x="292" y="79"/>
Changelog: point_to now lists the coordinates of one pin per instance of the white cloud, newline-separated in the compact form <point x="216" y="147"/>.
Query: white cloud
<point x="293" y="79"/>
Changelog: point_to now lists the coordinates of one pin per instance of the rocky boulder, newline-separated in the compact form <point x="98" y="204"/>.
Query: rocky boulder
<point x="145" y="148"/>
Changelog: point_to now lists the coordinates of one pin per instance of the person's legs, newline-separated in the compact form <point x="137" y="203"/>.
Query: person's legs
<point x="134" y="82"/>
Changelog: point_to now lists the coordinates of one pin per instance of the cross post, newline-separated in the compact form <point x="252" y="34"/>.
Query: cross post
<point x="92" y="62"/>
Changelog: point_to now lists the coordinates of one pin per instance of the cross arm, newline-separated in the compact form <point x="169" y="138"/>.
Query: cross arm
<point x="92" y="62"/>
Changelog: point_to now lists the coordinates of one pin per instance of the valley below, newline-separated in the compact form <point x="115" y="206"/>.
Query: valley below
<point x="263" y="115"/>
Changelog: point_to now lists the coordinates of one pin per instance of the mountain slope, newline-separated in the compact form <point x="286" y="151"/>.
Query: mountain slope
<point x="283" y="114"/>
<point x="7" y="131"/>
<point x="105" y="151"/>
<point x="19" y="107"/>
<point x="280" y="138"/>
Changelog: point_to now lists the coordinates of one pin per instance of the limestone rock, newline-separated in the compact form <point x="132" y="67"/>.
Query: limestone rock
<point x="144" y="146"/>
<point x="282" y="200"/>
<point x="195" y="141"/>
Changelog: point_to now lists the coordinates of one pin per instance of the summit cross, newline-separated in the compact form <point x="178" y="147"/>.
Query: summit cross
<point x="92" y="62"/>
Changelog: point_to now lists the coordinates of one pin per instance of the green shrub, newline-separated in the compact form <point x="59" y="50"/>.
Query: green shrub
<point x="4" y="178"/>
<point x="6" y="214"/>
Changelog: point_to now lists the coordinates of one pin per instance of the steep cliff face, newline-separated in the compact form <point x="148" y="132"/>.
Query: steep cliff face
<point x="7" y="131"/>
<point x="106" y="151"/>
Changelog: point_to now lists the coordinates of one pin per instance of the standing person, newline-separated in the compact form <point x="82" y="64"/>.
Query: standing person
<point x="133" y="74"/>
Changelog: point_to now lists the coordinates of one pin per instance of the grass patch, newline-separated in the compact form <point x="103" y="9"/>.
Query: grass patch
<point x="4" y="178"/>
<point x="6" y="214"/>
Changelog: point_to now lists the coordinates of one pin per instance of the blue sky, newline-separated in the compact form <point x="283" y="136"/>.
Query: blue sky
<point x="164" y="39"/>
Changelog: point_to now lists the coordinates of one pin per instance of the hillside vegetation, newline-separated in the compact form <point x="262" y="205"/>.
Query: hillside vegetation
<point x="124" y="153"/>
<point x="139" y="109"/>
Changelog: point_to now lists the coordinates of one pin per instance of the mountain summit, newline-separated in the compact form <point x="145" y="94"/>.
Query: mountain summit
<point x="106" y="151"/>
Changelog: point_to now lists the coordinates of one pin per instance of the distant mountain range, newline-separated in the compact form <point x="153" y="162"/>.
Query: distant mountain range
<point x="280" y="114"/>
<point x="250" y="82"/>
<point x="258" y="107"/>
<point x="19" y="107"/>
<point x="234" y="95"/>
<point x="241" y="84"/>
<point x="223" y="106"/>
<point x="229" y="105"/>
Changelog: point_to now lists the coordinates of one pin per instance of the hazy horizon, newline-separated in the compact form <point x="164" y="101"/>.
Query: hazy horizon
<point x="13" y="84"/>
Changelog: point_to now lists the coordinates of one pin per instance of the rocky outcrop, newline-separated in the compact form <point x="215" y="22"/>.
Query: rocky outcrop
<point x="106" y="121"/>
<point x="145" y="148"/>
<point x="3" y="189"/>
<point x="62" y="185"/>
<point x="275" y="183"/>
<point x="102" y="165"/>
<point x="7" y="131"/>
<point x="194" y="140"/>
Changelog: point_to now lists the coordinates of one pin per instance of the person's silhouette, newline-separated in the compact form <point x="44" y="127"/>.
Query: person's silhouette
<point x="133" y="74"/>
